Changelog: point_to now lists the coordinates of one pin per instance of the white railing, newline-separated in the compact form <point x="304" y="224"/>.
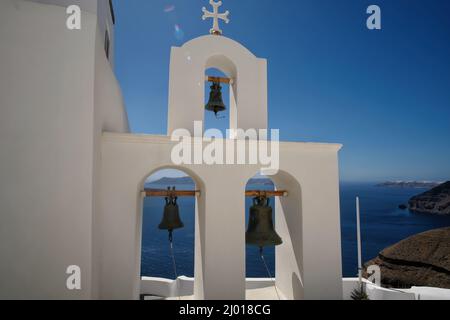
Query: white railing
<point x="185" y="287"/>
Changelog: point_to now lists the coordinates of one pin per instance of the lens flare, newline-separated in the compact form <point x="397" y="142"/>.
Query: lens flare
<point x="179" y="33"/>
<point x="169" y="8"/>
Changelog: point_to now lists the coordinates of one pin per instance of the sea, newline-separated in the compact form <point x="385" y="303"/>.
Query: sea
<point x="382" y="224"/>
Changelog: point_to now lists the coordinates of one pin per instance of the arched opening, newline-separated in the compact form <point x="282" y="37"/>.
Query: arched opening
<point x="221" y="121"/>
<point x="220" y="66"/>
<point x="158" y="258"/>
<point x="254" y="267"/>
<point x="155" y="258"/>
<point x="284" y="262"/>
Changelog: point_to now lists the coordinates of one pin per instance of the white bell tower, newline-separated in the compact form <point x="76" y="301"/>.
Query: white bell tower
<point x="307" y="264"/>
<point x="246" y="72"/>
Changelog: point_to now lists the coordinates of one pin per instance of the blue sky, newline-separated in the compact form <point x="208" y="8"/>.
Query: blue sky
<point x="385" y="95"/>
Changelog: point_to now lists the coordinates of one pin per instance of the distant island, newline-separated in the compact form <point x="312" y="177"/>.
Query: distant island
<point x="409" y="184"/>
<point x="260" y="182"/>
<point x="434" y="201"/>
<point x="166" y="181"/>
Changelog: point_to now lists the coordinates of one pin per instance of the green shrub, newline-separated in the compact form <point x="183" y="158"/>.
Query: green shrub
<point x="359" y="294"/>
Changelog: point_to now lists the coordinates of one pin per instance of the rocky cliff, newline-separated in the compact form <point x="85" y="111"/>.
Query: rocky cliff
<point x="421" y="260"/>
<point x="435" y="201"/>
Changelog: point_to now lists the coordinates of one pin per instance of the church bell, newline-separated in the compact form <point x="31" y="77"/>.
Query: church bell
<point x="215" y="103"/>
<point x="261" y="231"/>
<point x="171" y="219"/>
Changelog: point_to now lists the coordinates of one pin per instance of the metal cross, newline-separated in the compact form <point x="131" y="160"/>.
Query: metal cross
<point x="216" y="16"/>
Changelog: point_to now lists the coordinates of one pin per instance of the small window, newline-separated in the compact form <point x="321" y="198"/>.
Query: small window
<point x="107" y="44"/>
<point x="111" y="8"/>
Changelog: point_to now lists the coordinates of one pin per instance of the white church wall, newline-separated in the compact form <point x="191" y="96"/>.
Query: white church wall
<point x="85" y="5"/>
<point x="220" y="234"/>
<point x="110" y="109"/>
<point x="312" y="177"/>
<point x="109" y="115"/>
<point x="101" y="8"/>
<point x="289" y="257"/>
<point x="47" y="94"/>
<point x="167" y="288"/>
<point x="106" y="23"/>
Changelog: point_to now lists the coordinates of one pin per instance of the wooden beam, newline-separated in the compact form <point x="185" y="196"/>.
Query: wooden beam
<point x="167" y="193"/>
<point x="219" y="79"/>
<point x="267" y="194"/>
<point x="194" y="193"/>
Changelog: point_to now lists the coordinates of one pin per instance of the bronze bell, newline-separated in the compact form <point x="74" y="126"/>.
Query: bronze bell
<point x="215" y="103"/>
<point x="171" y="219"/>
<point x="261" y="231"/>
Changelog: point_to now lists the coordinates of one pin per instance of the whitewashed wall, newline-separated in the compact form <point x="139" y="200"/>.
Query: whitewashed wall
<point x="127" y="160"/>
<point x="100" y="8"/>
<point x="373" y="291"/>
<point x="50" y="80"/>
<point x="169" y="288"/>
<point x="166" y="288"/>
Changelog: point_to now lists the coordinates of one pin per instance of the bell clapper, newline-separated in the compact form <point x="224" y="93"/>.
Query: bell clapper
<point x="217" y="116"/>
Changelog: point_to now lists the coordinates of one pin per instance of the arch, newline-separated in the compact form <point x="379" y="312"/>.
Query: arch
<point x="199" y="222"/>
<point x="155" y="259"/>
<point x="254" y="266"/>
<point x="197" y="179"/>
<point x="220" y="122"/>
<point x="289" y="225"/>
<point x="222" y="63"/>
<point x="228" y="67"/>
<point x="211" y="41"/>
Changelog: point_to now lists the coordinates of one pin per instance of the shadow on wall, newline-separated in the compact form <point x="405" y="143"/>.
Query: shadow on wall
<point x="297" y="286"/>
<point x="290" y="224"/>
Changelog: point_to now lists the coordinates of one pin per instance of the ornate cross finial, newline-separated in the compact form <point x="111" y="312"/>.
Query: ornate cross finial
<point x="216" y="16"/>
